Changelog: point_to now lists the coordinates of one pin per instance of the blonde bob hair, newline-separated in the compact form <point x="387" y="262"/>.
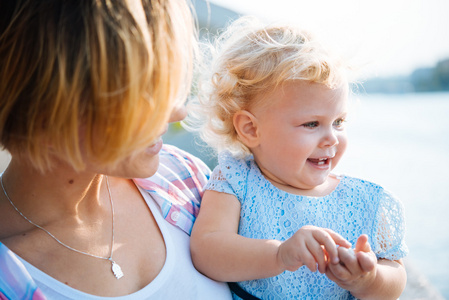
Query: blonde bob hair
<point x="90" y="78"/>
<point x="248" y="60"/>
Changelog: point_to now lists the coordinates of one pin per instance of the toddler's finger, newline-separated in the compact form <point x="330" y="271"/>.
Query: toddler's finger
<point x="310" y="262"/>
<point x="307" y="257"/>
<point x="366" y="261"/>
<point x="331" y="245"/>
<point x="348" y="258"/>
<point x="337" y="272"/>
<point x="319" y="254"/>
<point x="323" y="238"/>
<point x="362" y="244"/>
<point x="338" y="239"/>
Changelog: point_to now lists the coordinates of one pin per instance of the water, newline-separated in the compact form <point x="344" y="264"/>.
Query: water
<point x="402" y="143"/>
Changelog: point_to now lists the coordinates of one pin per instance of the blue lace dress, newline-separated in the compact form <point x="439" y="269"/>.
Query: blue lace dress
<point x="355" y="207"/>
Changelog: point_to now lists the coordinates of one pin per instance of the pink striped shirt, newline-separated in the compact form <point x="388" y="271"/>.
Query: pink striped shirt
<point x="178" y="186"/>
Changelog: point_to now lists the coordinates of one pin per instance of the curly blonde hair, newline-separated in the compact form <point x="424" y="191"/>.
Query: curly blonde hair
<point x="98" y="77"/>
<point x="248" y="60"/>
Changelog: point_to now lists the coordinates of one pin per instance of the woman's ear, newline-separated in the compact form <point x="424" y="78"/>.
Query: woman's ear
<point x="245" y="123"/>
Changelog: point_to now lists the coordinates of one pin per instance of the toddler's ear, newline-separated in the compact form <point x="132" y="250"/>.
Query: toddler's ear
<point x="245" y="123"/>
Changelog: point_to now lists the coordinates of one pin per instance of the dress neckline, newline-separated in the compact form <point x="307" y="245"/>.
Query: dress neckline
<point x="253" y="165"/>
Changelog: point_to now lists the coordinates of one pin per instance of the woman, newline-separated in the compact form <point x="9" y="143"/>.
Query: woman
<point x="87" y="89"/>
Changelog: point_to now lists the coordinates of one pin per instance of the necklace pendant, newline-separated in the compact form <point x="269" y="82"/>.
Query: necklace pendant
<point x="118" y="273"/>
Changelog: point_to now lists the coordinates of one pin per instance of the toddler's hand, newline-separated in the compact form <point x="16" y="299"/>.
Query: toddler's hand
<point x="310" y="246"/>
<point x="357" y="268"/>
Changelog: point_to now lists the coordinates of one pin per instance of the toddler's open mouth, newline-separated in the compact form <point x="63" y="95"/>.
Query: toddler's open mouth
<point x="319" y="161"/>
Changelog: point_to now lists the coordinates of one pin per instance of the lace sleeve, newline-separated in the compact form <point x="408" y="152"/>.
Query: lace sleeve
<point x="230" y="176"/>
<point x="389" y="229"/>
<point x="218" y="182"/>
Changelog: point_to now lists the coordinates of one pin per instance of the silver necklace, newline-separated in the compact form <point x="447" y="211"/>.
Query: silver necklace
<point x="118" y="273"/>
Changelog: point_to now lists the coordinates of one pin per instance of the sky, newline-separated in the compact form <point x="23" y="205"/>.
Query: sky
<point x="384" y="37"/>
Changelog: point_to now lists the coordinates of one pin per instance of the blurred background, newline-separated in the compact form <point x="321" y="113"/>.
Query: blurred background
<point x="399" y="125"/>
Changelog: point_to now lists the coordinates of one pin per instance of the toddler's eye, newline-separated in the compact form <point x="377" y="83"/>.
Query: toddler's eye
<point x="311" y="124"/>
<point x="339" y="122"/>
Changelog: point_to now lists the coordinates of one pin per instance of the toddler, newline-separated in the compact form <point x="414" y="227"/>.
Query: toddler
<point x="274" y="218"/>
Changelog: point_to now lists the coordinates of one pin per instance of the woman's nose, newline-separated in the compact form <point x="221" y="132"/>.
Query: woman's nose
<point x="178" y="114"/>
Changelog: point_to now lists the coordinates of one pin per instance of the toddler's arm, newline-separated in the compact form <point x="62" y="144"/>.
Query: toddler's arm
<point x="221" y="254"/>
<point x="365" y="276"/>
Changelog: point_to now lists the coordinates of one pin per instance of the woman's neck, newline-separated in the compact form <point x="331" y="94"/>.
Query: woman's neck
<point x="54" y="195"/>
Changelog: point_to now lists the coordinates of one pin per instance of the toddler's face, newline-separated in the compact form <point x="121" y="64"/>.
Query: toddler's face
<point x="301" y="134"/>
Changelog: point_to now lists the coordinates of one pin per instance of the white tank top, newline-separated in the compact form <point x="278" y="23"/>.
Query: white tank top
<point x="178" y="278"/>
